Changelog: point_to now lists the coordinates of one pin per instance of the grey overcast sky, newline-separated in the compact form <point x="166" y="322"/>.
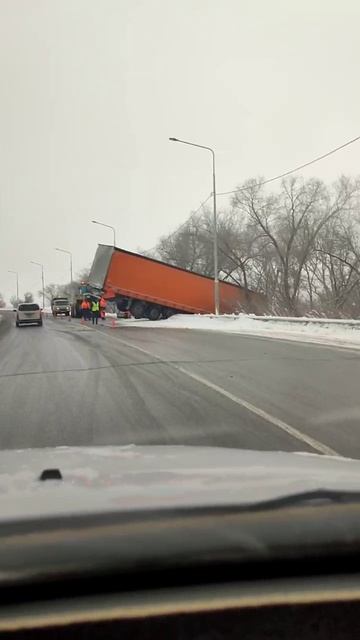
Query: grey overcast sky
<point x="90" y="91"/>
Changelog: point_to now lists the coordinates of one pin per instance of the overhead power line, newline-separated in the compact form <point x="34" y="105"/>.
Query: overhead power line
<point x="260" y="184"/>
<point x="193" y="213"/>
<point x="301" y="166"/>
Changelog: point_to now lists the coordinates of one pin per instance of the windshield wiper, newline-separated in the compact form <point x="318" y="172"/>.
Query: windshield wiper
<point x="315" y="497"/>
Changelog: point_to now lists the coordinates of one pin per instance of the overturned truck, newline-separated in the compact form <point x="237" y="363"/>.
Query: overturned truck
<point x="152" y="289"/>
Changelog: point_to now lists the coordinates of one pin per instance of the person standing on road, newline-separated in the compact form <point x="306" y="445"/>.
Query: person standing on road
<point x="84" y="309"/>
<point x="88" y="310"/>
<point x="95" y="309"/>
<point x="102" y="307"/>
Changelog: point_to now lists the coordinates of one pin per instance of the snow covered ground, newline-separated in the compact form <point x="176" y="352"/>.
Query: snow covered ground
<point x="342" y="333"/>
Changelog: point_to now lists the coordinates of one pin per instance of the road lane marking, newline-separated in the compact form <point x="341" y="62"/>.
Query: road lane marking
<point x="292" y="431"/>
<point x="280" y="424"/>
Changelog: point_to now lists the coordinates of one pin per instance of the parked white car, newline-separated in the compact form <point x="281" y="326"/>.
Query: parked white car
<point x="28" y="313"/>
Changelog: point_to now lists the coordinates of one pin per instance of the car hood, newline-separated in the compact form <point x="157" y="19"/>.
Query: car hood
<point x="141" y="477"/>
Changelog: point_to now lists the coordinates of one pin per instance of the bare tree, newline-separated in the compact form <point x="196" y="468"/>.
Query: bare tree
<point x="69" y="290"/>
<point x="289" y="223"/>
<point x="188" y="247"/>
<point x="336" y="268"/>
<point x="297" y="245"/>
<point x="52" y="291"/>
<point x="14" y="301"/>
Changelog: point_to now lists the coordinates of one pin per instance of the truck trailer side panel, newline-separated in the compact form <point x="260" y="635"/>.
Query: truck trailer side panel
<point x="122" y="273"/>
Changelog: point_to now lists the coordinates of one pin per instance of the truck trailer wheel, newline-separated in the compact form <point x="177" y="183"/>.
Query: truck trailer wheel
<point x="137" y="310"/>
<point x="167" y="313"/>
<point x="154" y="313"/>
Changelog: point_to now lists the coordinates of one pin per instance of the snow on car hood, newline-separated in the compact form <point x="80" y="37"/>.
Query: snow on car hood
<point x="149" y="477"/>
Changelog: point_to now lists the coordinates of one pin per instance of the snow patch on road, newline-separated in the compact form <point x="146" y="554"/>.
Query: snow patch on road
<point x="342" y="333"/>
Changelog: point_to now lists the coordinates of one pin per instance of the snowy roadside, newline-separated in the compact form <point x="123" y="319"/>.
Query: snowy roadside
<point x="341" y="333"/>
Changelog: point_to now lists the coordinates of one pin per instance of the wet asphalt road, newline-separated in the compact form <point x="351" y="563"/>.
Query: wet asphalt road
<point x="70" y="384"/>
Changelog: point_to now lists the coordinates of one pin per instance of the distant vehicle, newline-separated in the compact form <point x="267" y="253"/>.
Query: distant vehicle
<point x="60" y="306"/>
<point x="152" y="289"/>
<point x="28" y="313"/>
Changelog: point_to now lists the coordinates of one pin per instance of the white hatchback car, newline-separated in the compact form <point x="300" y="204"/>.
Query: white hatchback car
<point x="28" y="313"/>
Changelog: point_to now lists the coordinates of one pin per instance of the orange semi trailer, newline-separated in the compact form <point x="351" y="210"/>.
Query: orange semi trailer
<point x="152" y="289"/>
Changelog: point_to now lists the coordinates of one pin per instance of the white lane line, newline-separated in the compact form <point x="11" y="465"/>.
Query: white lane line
<point x="292" y="431"/>
<point x="280" y="424"/>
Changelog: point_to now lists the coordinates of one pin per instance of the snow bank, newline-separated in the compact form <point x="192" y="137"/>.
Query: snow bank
<point x="345" y="333"/>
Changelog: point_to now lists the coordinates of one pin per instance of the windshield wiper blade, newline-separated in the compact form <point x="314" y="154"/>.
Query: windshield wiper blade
<point x="316" y="496"/>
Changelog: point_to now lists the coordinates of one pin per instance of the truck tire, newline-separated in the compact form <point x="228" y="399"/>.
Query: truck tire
<point x="17" y="324"/>
<point x="40" y="323"/>
<point x="154" y="313"/>
<point x="123" y="304"/>
<point x="167" y="313"/>
<point x="137" y="309"/>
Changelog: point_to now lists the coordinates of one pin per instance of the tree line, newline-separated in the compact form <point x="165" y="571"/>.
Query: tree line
<point x="69" y="290"/>
<point x="297" y="245"/>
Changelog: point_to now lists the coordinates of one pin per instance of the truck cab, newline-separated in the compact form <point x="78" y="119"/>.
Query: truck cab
<point x="60" y="306"/>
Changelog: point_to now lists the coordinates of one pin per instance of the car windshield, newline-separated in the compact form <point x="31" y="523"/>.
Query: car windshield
<point x="180" y="204"/>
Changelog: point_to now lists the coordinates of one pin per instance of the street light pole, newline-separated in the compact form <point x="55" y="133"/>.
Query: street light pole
<point x="216" y="264"/>
<point x="17" y="284"/>
<point x="102" y="224"/>
<point x="42" y="279"/>
<point x="71" y="264"/>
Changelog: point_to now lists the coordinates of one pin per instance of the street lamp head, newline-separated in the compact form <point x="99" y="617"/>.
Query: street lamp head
<point x="62" y="250"/>
<point x="109" y="226"/>
<point x="174" y="139"/>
